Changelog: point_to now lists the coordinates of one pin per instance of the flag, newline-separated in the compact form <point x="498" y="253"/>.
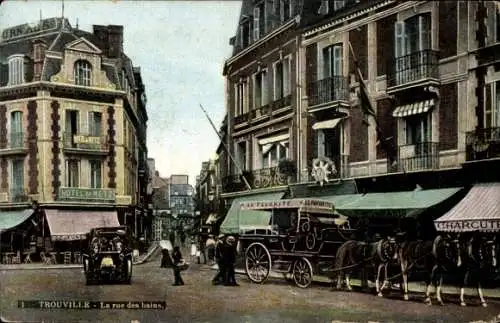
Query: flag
<point x="368" y="110"/>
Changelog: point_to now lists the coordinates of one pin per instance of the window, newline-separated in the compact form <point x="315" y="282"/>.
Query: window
<point x="285" y="7"/>
<point x="72" y="173"/>
<point x="17" y="178"/>
<point x="95" y="124"/>
<point x="418" y="129"/>
<point x="274" y="152"/>
<point x="332" y="60"/>
<point x="245" y="33"/>
<point x="16" y="129"/>
<point x="260" y="90"/>
<point x="95" y="174"/>
<point x="241" y="97"/>
<point x="259" y="16"/>
<point x="493" y="23"/>
<point x="71" y="127"/>
<point x="83" y="72"/>
<point x="412" y="36"/>
<point x="338" y="4"/>
<point x="241" y="154"/>
<point x="492" y="105"/>
<point x="328" y="143"/>
<point x="282" y="79"/>
<point x="16" y="69"/>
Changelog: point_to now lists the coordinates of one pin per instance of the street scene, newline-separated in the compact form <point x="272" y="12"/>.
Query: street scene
<point x="250" y="161"/>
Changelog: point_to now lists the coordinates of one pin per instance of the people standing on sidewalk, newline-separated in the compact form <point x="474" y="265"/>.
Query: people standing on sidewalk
<point x="230" y="257"/>
<point x="178" y="262"/>
<point x="220" y="277"/>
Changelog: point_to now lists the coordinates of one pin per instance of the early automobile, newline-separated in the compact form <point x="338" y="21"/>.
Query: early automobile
<point x="109" y="255"/>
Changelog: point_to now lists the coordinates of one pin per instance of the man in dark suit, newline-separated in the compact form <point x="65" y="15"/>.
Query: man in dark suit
<point x="220" y="259"/>
<point x="230" y="259"/>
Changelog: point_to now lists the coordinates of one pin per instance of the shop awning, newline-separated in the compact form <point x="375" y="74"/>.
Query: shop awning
<point x="413" y="108"/>
<point x="237" y="220"/>
<point x="327" y="124"/>
<point x="11" y="219"/>
<point x="70" y="225"/>
<point x="479" y="210"/>
<point x="391" y="204"/>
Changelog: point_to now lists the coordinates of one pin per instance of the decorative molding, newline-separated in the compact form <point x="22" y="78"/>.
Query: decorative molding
<point x="32" y="148"/>
<point x="56" y="163"/>
<point x="111" y="144"/>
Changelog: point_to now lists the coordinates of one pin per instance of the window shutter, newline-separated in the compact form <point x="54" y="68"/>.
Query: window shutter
<point x="487" y="105"/>
<point x="424" y="25"/>
<point x="399" y="39"/>
<point x="490" y="22"/>
<point x="90" y="126"/>
<point x="256" y="17"/>
<point x="286" y="76"/>
<point x="337" y="60"/>
<point x="265" y="87"/>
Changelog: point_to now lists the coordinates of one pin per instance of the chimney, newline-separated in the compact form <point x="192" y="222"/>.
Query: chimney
<point x="39" y="48"/>
<point x="101" y="32"/>
<point x="115" y="41"/>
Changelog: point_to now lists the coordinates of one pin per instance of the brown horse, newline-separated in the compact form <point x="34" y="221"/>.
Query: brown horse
<point x="435" y="256"/>
<point x="363" y="255"/>
<point x="478" y="259"/>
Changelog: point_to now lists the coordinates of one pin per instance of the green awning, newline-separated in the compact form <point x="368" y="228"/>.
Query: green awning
<point x="237" y="219"/>
<point x="391" y="204"/>
<point x="11" y="219"/>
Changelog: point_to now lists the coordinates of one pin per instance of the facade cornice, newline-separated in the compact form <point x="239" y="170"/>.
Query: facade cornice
<point x="282" y="188"/>
<point x="44" y="85"/>
<point x="323" y="30"/>
<point x="264" y="39"/>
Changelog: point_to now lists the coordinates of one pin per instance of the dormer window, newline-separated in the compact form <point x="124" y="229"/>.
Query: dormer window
<point x="16" y="69"/>
<point x="83" y="72"/>
<point x="245" y="33"/>
<point x="259" y="20"/>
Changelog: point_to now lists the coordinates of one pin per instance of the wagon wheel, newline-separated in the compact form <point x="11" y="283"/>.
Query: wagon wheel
<point x="302" y="273"/>
<point x="310" y="241"/>
<point x="257" y="262"/>
<point x="305" y="226"/>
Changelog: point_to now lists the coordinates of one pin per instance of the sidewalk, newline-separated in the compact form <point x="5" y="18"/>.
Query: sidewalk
<point x="413" y="287"/>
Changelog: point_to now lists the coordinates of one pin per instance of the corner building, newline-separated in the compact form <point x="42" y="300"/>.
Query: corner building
<point x="72" y="135"/>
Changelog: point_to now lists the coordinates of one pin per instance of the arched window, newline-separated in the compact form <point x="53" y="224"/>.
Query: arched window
<point x="83" y="71"/>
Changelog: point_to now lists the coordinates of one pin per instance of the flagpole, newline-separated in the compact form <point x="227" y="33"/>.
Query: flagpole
<point x="227" y="149"/>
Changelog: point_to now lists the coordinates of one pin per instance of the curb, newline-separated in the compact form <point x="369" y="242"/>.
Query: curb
<point x="413" y="287"/>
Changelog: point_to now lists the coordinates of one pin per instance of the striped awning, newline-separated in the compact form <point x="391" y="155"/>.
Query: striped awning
<point x="413" y="108"/>
<point x="327" y="124"/>
<point x="479" y="210"/>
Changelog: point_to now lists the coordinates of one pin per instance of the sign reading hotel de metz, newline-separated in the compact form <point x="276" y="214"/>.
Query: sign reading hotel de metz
<point x="87" y="194"/>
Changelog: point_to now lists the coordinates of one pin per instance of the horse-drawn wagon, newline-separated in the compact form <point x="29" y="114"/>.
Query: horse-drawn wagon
<point x="301" y="239"/>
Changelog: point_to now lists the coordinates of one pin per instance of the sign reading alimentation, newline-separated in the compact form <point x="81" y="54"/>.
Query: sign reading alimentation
<point x="27" y="29"/>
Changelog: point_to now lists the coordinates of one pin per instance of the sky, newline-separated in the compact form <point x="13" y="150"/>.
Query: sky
<point x="180" y="47"/>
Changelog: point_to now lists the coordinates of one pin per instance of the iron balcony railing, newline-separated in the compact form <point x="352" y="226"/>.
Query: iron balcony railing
<point x="330" y="89"/>
<point x="16" y="140"/>
<point x="260" y="178"/>
<point x="241" y="118"/>
<point x="419" y="156"/>
<point x="85" y="141"/>
<point x="482" y="144"/>
<point x="414" y="67"/>
<point x="18" y="194"/>
<point x="281" y="103"/>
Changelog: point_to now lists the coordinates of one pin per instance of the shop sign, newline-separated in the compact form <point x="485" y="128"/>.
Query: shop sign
<point x="69" y="237"/>
<point x="87" y="194"/>
<point x="469" y="225"/>
<point x="89" y="140"/>
<point x="293" y="203"/>
<point x="27" y="29"/>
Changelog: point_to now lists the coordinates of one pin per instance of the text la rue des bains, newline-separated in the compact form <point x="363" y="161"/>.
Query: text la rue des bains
<point x="92" y="305"/>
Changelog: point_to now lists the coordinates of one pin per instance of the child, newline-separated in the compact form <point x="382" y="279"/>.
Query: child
<point x="177" y="258"/>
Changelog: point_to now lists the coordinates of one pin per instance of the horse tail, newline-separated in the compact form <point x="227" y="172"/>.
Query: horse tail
<point x="340" y="257"/>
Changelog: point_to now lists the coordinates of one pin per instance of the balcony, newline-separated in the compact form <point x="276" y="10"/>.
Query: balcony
<point x="482" y="144"/>
<point x="77" y="194"/>
<point x="257" y="179"/>
<point x="416" y="69"/>
<point x="15" y="146"/>
<point x="329" y="91"/>
<point x="417" y="157"/>
<point x="241" y="118"/>
<point x="18" y="195"/>
<point x="281" y="103"/>
<point x="82" y="143"/>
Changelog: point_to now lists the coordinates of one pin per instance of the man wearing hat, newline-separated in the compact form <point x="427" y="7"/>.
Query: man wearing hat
<point x="220" y="278"/>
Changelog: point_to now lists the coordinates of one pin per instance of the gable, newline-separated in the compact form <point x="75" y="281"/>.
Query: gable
<point x="83" y="45"/>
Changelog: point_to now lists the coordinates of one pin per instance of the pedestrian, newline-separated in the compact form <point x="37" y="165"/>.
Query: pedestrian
<point x="183" y="238"/>
<point x="178" y="263"/>
<point x="220" y="277"/>
<point x="210" y="248"/>
<point x="171" y="237"/>
<point x="230" y="259"/>
<point x="166" y="261"/>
